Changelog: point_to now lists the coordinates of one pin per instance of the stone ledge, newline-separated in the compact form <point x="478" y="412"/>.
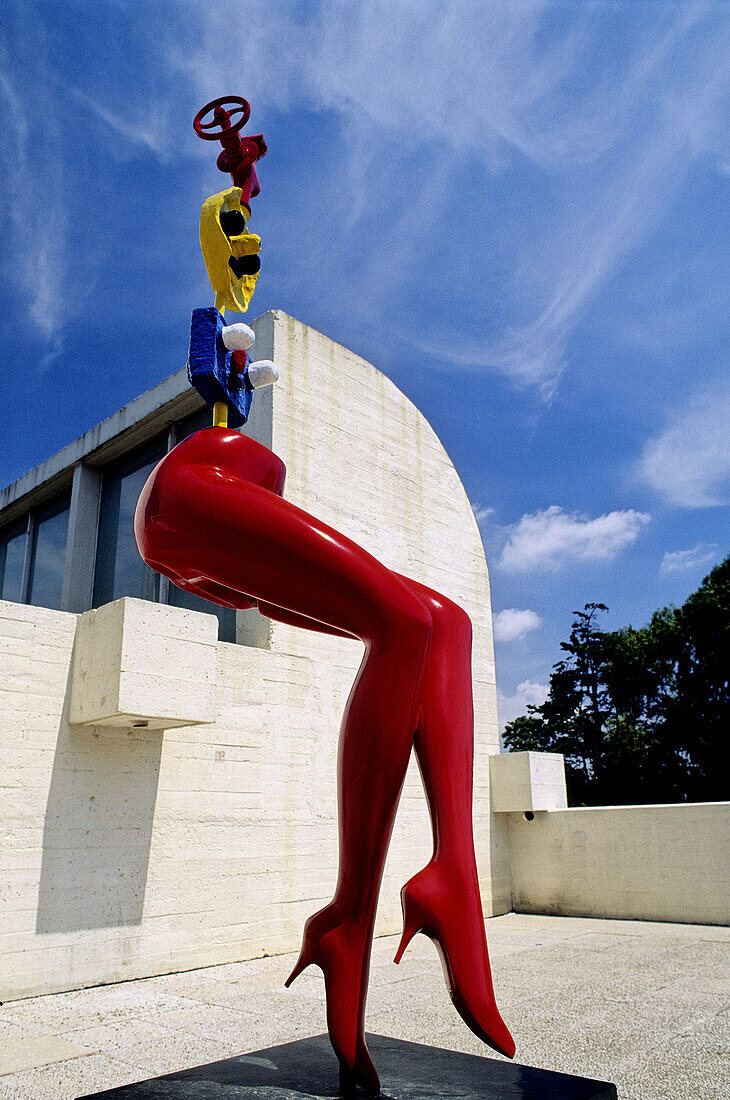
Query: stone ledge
<point x="142" y="664"/>
<point x="527" y="781"/>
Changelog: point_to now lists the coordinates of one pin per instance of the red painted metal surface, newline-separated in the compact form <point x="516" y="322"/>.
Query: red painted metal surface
<point x="239" y="154"/>
<point x="211" y="517"/>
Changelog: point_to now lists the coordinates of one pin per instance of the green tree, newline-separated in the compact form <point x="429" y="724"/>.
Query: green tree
<point x="697" y="713"/>
<point x="641" y="715"/>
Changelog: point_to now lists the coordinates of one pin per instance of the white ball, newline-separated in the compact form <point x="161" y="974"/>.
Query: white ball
<point x="238" y="337"/>
<point x="262" y="373"/>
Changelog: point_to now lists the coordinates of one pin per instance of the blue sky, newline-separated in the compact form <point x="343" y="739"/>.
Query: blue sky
<point x="517" y="211"/>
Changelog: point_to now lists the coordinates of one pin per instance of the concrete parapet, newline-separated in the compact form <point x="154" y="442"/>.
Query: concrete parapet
<point x="662" y="863"/>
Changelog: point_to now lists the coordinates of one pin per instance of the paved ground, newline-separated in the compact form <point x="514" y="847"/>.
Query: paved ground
<point x="644" y="1005"/>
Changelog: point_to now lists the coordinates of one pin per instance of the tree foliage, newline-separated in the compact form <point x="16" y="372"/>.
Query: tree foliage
<point x="641" y="715"/>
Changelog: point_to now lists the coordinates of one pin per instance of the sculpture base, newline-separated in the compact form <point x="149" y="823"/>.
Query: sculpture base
<point x="408" y="1071"/>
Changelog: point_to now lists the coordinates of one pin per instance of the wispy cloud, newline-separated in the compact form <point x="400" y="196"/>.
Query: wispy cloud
<point x="149" y="134"/>
<point x="689" y="462"/>
<point x="684" y="561"/>
<point x="514" y="623"/>
<point x="573" y="256"/>
<point x="551" y="538"/>
<point x="512" y="706"/>
<point x="53" y="284"/>
<point x="481" y="512"/>
<point x="507" y="91"/>
<point x="36" y="258"/>
<point x="451" y="114"/>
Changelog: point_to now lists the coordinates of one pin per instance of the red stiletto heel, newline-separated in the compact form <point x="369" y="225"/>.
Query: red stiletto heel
<point x="456" y="926"/>
<point x="302" y="963"/>
<point x="363" y="1075"/>
<point x="411" y="925"/>
<point x="443" y="901"/>
<point x="332" y="944"/>
<point x="367" y="1075"/>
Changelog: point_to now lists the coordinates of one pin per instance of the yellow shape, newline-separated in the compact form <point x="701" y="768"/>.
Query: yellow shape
<point x="220" y="414"/>
<point x="231" y="291"/>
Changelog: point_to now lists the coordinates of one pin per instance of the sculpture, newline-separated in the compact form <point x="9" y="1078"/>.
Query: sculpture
<point x="212" y="518"/>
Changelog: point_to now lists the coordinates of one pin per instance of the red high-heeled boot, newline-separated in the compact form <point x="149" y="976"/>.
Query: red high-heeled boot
<point x="443" y="900"/>
<point x="451" y="916"/>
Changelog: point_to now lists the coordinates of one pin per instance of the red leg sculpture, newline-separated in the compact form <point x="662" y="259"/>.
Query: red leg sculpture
<point x="211" y="517"/>
<point x="443" y="900"/>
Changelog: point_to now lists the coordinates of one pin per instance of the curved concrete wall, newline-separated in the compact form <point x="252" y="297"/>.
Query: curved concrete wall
<point x="361" y="457"/>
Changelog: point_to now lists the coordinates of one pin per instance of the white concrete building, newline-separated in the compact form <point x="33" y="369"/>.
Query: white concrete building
<point x="172" y="794"/>
<point x="168" y="767"/>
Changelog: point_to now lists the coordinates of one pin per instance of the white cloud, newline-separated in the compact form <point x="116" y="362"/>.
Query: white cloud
<point x="54" y="277"/>
<point x="689" y="463"/>
<point x="481" y="512"/>
<point x="680" y="561"/>
<point x="512" y="706"/>
<point x="513" y="623"/>
<point x="651" y="134"/>
<point x="548" y="539"/>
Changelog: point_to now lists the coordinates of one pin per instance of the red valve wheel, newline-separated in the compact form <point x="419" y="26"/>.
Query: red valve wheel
<point x="220" y="107"/>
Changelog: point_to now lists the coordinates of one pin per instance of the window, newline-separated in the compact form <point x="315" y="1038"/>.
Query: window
<point x="177" y="596"/>
<point x="50" y="531"/>
<point x="39" y="579"/>
<point x="35" y="551"/>
<point x="120" y="570"/>
<point x="193" y="423"/>
<point x="12" y="558"/>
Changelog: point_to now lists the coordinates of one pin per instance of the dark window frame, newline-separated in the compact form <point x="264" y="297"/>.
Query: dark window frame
<point x="149" y="452"/>
<point x="152" y="450"/>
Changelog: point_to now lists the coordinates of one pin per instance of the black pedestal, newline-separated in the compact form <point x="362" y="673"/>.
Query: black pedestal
<point x="408" y="1071"/>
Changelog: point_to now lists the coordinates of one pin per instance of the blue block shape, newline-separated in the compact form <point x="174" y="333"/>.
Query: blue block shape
<point x="211" y="370"/>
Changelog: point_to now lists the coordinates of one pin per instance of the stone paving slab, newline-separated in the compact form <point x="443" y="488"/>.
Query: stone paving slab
<point x="18" y="1054"/>
<point x="644" y="1005"/>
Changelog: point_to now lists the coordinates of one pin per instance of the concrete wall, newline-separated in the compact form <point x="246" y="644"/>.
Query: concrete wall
<point x="361" y="457"/>
<point x="131" y="851"/>
<point x="666" y="863"/>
